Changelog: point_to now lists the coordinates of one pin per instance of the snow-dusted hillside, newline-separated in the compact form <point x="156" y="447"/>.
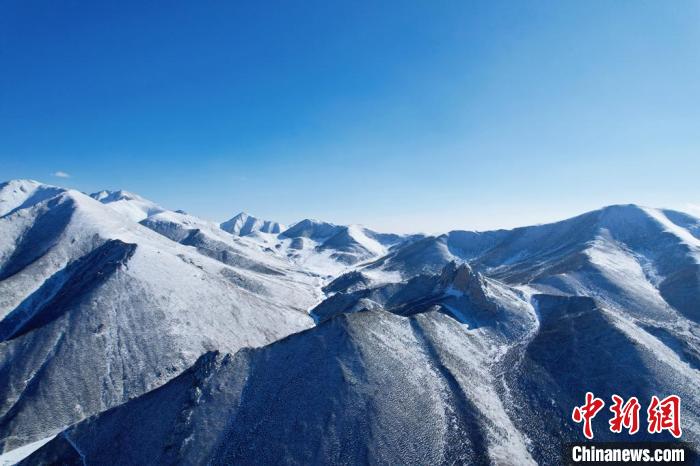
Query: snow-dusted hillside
<point x="97" y="309"/>
<point x="471" y="375"/>
<point x="468" y="347"/>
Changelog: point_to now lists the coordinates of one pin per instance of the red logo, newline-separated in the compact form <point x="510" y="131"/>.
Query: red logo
<point x="665" y="415"/>
<point x="626" y="415"/>
<point x="587" y="412"/>
<point x="661" y="415"/>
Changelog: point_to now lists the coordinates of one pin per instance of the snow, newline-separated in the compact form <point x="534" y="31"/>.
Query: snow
<point x="358" y="234"/>
<point x="17" y="193"/>
<point x="128" y="204"/>
<point x="379" y="276"/>
<point x="18" y="454"/>
<point x="619" y="265"/>
<point x="458" y="315"/>
<point x="681" y="233"/>
<point x="308" y="258"/>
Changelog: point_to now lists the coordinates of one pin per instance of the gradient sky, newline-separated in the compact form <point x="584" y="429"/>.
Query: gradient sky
<point x="400" y="115"/>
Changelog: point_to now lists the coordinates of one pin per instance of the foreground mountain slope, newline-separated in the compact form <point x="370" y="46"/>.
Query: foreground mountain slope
<point x="580" y="347"/>
<point x="368" y="387"/>
<point x="377" y="387"/>
<point x="97" y="309"/>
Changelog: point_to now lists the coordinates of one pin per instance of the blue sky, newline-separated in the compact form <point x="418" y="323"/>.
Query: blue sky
<point x="401" y="115"/>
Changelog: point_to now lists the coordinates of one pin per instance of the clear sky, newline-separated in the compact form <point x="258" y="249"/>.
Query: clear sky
<point x="400" y="115"/>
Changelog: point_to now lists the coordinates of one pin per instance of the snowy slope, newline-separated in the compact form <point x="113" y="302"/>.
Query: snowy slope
<point x="368" y="387"/>
<point x="98" y="309"/>
<point x="412" y="386"/>
<point x="16" y="194"/>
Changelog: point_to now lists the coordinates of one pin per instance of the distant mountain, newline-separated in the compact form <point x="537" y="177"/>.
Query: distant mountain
<point x="209" y="240"/>
<point x="149" y="336"/>
<point x="312" y="229"/>
<point x="346" y="244"/>
<point x="132" y="205"/>
<point x="244" y="224"/>
<point x="645" y="259"/>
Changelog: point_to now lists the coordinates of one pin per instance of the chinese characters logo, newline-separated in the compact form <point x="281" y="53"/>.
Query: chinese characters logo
<point x="662" y="415"/>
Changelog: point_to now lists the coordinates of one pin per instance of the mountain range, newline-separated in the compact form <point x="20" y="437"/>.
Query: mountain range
<point x="133" y="334"/>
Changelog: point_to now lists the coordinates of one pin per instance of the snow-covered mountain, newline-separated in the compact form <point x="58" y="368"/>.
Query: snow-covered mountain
<point x="324" y="343"/>
<point x="316" y="247"/>
<point x="342" y="245"/>
<point x="244" y="224"/>
<point x="97" y="309"/>
<point x="637" y="259"/>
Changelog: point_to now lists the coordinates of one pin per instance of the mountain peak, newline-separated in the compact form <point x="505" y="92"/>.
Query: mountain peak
<point x="462" y="279"/>
<point x="127" y="203"/>
<point x="23" y="192"/>
<point x="20" y="182"/>
<point x="106" y="196"/>
<point x="624" y="209"/>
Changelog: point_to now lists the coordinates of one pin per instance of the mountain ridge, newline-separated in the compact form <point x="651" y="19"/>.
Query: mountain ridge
<point x="478" y="319"/>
